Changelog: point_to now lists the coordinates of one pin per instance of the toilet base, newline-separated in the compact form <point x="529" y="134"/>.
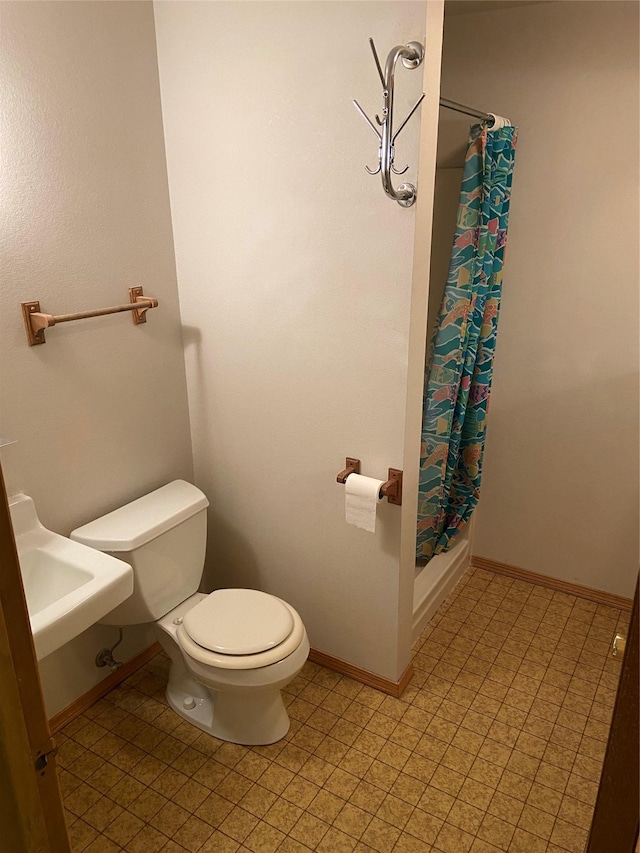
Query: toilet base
<point x="260" y="718"/>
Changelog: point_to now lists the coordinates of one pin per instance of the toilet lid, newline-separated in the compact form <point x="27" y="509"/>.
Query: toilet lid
<point x="239" y="622"/>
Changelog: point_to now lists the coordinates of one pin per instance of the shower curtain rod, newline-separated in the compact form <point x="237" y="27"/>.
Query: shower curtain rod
<point x="462" y="108"/>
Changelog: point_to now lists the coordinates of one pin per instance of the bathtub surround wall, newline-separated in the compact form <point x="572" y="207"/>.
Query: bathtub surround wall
<point x="560" y="483"/>
<point x="420" y="596"/>
<point x="100" y="411"/>
<point x="295" y="275"/>
<point x="447" y="195"/>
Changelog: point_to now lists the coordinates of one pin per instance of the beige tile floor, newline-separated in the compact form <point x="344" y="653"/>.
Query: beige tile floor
<point x="496" y="745"/>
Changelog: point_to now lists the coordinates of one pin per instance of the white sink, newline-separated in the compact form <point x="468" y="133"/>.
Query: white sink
<point x="68" y="586"/>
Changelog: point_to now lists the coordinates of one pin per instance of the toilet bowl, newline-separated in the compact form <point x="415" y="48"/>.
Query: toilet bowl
<point x="228" y="698"/>
<point x="232" y="650"/>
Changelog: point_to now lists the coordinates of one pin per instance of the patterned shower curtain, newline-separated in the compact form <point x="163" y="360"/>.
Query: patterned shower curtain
<point x="458" y="376"/>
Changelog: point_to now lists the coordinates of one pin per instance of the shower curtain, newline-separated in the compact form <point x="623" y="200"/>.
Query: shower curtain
<point x="459" y="368"/>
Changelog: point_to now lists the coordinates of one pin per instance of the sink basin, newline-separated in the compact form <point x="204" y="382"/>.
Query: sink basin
<point x="68" y="586"/>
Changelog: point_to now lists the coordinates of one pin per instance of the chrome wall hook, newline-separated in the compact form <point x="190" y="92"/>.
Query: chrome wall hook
<point x="376" y="60"/>
<point x="412" y="55"/>
<point x="393" y="168"/>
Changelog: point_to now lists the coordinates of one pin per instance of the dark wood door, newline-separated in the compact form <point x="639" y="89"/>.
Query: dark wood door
<point x="614" y="828"/>
<point x="30" y="802"/>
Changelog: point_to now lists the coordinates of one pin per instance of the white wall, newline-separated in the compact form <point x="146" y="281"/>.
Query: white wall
<point x="295" y="275"/>
<point x="100" y="411"/>
<point x="560" y="485"/>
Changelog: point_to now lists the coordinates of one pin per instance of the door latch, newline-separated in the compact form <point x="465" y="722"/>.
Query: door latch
<point x="42" y="760"/>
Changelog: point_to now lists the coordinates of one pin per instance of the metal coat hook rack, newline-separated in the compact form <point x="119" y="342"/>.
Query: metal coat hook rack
<point x="411" y="55"/>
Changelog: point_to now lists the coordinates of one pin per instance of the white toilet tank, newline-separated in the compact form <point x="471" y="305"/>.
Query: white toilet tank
<point x="162" y="536"/>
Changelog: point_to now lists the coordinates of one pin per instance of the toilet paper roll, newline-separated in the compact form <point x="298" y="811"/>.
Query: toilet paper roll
<point x="361" y="498"/>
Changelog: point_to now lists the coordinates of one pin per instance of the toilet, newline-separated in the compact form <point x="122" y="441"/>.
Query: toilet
<point x="233" y="650"/>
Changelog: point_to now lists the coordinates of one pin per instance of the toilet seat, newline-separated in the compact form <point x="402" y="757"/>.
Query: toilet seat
<point x="247" y="621"/>
<point x="239" y="622"/>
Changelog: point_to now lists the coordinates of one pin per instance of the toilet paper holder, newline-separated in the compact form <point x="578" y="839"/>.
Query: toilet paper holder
<point x="391" y="489"/>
